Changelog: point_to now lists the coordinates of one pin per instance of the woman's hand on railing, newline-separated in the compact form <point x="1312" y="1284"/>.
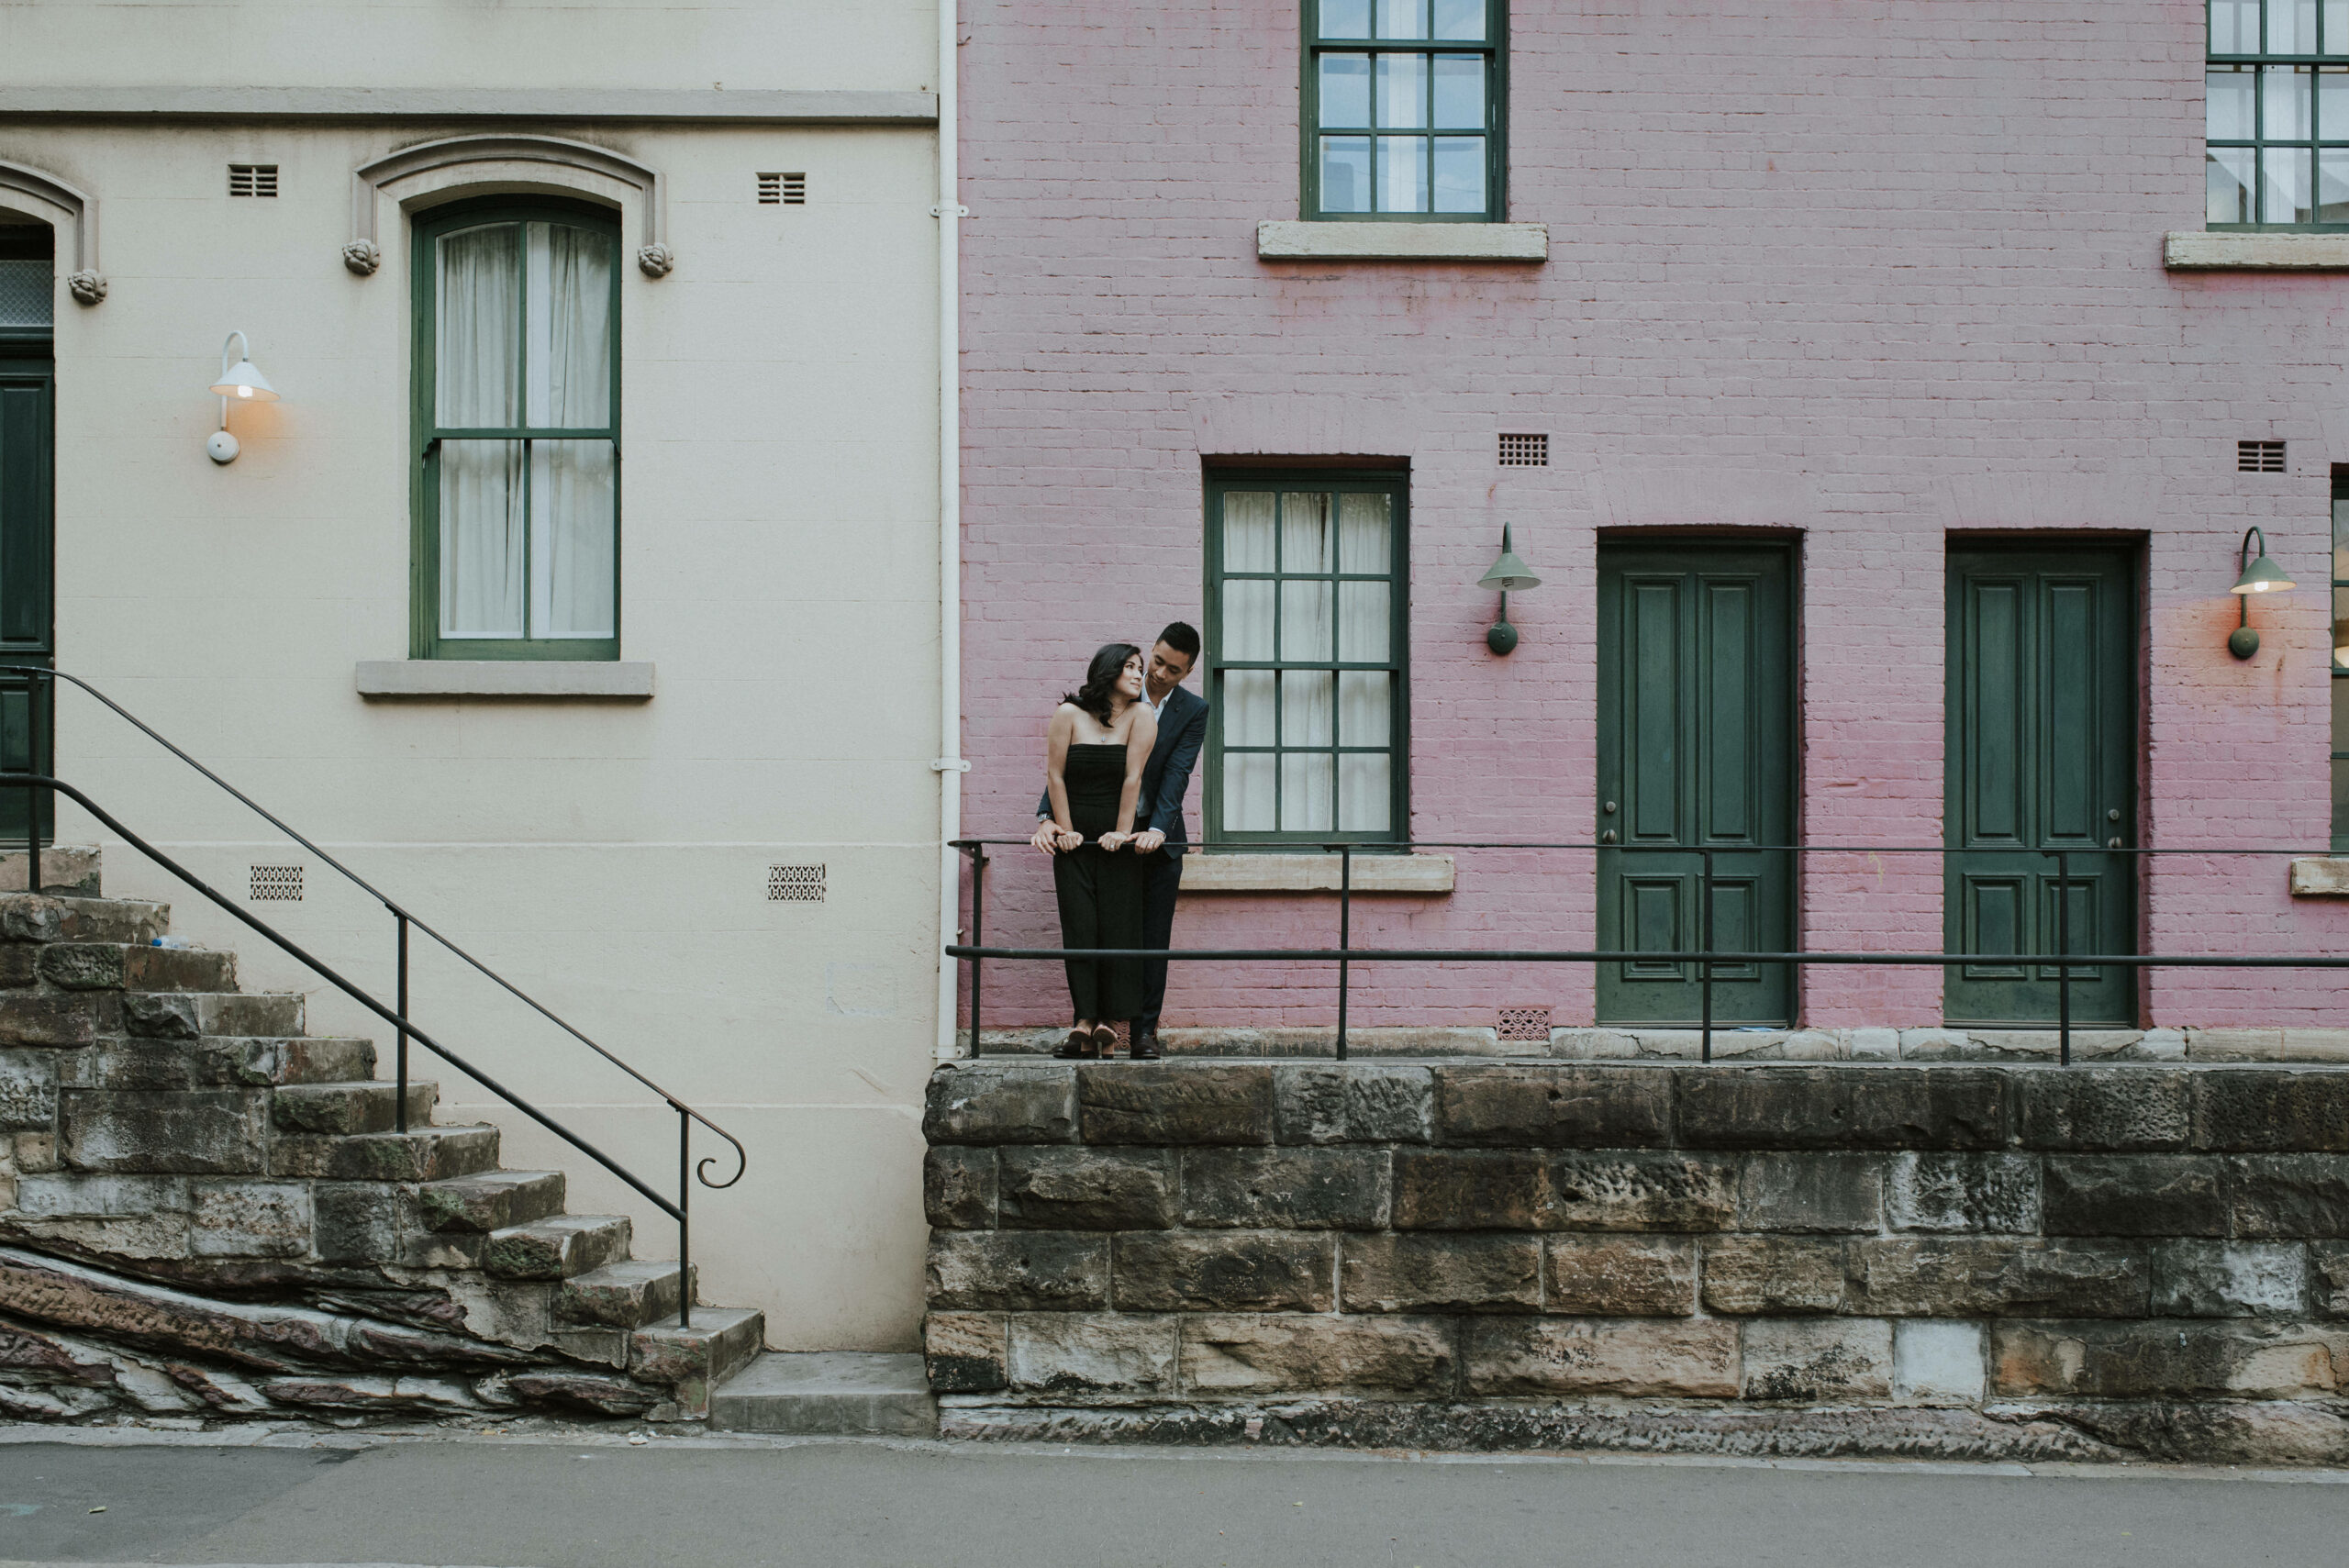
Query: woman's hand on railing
<point x="1113" y="841"/>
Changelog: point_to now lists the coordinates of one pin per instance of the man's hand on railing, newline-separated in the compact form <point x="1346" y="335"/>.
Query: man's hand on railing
<point x="1149" y="841"/>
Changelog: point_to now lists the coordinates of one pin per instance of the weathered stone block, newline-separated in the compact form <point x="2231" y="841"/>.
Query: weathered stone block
<point x="1238" y="1271"/>
<point x="1935" y="1361"/>
<point x="1084" y="1353"/>
<point x="1176" y="1103"/>
<point x="1686" y="1358"/>
<point x="19" y="964"/>
<point x="27" y="1091"/>
<point x="2230" y="1279"/>
<point x="1622" y="1276"/>
<point x="1000" y="1102"/>
<point x="1439" y="1272"/>
<point x="1983" y="1276"/>
<point x="2259" y="1109"/>
<point x="1818" y="1358"/>
<point x="1290" y="1352"/>
<point x="1042" y="1271"/>
<point x="1353" y="1103"/>
<point x="1471" y="1190"/>
<point x="1949" y="1193"/>
<point x="250" y="1220"/>
<point x="1748" y="1274"/>
<point x="1841" y="1107"/>
<point x="2286" y="1194"/>
<point x="36" y="1151"/>
<point x="2168" y="1358"/>
<point x="1811" y="1192"/>
<point x="1086" y="1189"/>
<point x="1643" y="1192"/>
<point x="958" y="1188"/>
<point x="2134" y="1195"/>
<point x="206" y="1131"/>
<point x="73" y="1196"/>
<point x="161" y="1017"/>
<point x="966" y="1352"/>
<point x="34" y="1019"/>
<point x="1554" y="1107"/>
<point x="1291" y="1189"/>
<point x="432" y="1154"/>
<point x="2104" y="1110"/>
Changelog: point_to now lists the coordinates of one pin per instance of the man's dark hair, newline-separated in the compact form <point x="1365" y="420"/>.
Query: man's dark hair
<point x="1184" y="638"/>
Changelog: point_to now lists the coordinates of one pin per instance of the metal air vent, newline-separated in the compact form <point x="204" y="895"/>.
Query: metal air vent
<point x="795" y="884"/>
<point x="253" y="179"/>
<point x="276" y="884"/>
<point x="1525" y="451"/>
<point x="783" y="190"/>
<point x="1525" y="1023"/>
<point x="2259" y="457"/>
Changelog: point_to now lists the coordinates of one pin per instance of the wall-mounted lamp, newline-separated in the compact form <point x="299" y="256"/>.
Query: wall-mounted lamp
<point x="2259" y="576"/>
<point x="1508" y="573"/>
<point x="242" y="382"/>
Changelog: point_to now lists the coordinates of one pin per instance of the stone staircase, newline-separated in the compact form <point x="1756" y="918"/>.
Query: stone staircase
<point x="206" y="1212"/>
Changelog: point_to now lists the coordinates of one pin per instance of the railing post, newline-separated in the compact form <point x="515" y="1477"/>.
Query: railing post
<point x="1345" y="934"/>
<point x="1704" y="1043"/>
<point x="684" y="1229"/>
<point x="978" y="935"/>
<point x="32" y="792"/>
<point x="2063" y="957"/>
<point x="399" y="1106"/>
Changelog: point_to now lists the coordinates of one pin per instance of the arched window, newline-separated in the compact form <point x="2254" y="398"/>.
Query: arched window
<point x="518" y="425"/>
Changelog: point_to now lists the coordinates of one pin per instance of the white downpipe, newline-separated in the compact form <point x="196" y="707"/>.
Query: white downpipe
<point x="951" y="765"/>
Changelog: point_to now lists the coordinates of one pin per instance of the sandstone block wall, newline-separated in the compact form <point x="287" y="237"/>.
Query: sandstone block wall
<point x="2125" y="1261"/>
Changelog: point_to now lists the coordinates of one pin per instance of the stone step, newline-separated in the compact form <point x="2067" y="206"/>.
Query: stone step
<point x="346" y="1109"/>
<point x="64" y="868"/>
<point x="495" y="1200"/>
<point x="621" y="1296"/>
<point x="829" y="1393"/>
<point x="695" y="1361"/>
<point x="433" y="1154"/>
<point x="43" y="919"/>
<point x="558" y="1247"/>
<point x="188" y="1015"/>
<point x="219" y="1062"/>
<point x="128" y="966"/>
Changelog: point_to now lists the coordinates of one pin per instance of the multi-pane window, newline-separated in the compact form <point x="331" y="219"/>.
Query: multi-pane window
<point x="1403" y="108"/>
<point x="517" y="418"/>
<point x="2340" y="660"/>
<point x="1305" y="658"/>
<point x="2277" y="105"/>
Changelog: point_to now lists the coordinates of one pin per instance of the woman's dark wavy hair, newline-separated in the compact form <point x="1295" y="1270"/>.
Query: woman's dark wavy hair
<point x="1109" y="663"/>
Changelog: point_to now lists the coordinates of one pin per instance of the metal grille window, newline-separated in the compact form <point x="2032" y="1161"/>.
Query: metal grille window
<point x="2341" y="658"/>
<point x="1403" y="108"/>
<point x="796" y="885"/>
<point x="517" y="415"/>
<point x="28" y="284"/>
<point x="2259" y="457"/>
<point x="1525" y="451"/>
<point x="2277" y="100"/>
<point x="1306" y="646"/>
<point x="280" y="884"/>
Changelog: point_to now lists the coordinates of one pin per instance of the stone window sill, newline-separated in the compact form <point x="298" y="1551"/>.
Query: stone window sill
<point x="517" y="679"/>
<point x="1316" y="873"/>
<point x="1291" y="239"/>
<point x="2320" y="876"/>
<point x="2192" y="250"/>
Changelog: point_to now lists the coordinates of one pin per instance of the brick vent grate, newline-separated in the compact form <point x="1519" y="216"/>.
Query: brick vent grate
<point x="795" y="884"/>
<point x="783" y="190"/>
<point x="276" y="884"/>
<point x="253" y="179"/>
<point x="1525" y="1023"/>
<point x="2259" y="457"/>
<point x="1525" y="451"/>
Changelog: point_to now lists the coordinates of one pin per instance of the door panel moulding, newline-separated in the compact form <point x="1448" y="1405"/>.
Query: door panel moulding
<point x="85" y="282"/>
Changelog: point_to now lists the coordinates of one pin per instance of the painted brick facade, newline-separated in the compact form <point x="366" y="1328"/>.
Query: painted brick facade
<point x="1864" y="272"/>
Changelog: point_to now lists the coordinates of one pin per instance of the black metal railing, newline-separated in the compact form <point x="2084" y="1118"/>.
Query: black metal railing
<point x="1345" y="954"/>
<point x="396" y="1015"/>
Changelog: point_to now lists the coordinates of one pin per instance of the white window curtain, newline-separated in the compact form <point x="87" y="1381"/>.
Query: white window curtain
<point x="1250" y="797"/>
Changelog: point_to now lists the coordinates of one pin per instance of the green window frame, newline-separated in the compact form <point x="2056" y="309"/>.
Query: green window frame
<point x="1307" y="611"/>
<point x="2275" y="95"/>
<point x="543" y="482"/>
<point x="1403" y="104"/>
<point x="2340" y="662"/>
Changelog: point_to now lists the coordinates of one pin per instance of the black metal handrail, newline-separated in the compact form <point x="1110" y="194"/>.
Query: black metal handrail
<point x="1345" y="954"/>
<point x="396" y="1015"/>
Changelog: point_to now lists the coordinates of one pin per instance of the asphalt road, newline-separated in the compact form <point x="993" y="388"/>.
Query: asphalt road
<point x="511" y="1503"/>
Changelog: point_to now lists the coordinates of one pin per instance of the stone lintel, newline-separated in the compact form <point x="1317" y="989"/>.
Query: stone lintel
<point x="612" y="679"/>
<point x="1293" y="240"/>
<point x="1317" y="872"/>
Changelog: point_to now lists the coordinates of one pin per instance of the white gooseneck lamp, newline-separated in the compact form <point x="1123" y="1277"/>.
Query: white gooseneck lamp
<point x="240" y="381"/>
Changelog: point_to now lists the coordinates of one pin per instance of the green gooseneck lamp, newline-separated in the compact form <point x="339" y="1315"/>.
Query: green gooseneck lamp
<point x="2259" y="576"/>
<point x="1508" y="573"/>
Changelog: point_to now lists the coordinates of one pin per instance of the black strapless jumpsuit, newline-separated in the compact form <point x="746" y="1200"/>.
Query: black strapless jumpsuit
<point x="1100" y="893"/>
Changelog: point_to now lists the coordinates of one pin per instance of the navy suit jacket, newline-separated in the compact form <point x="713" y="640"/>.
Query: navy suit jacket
<point x="1166" y="777"/>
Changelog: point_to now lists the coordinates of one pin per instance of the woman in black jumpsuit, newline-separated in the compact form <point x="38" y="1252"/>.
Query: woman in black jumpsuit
<point x="1100" y="737"/>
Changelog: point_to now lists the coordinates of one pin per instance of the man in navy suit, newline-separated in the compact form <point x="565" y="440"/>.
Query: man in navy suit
<point x="1159" y="838"/>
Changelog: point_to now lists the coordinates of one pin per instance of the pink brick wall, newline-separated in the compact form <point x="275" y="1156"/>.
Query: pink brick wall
<point x="1862" y="270"/>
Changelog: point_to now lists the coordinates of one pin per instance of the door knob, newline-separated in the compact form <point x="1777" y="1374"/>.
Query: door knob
<point x="1608" y="837"/>
<point x="2113" y="843"/>
<point x="2113" y="815"/>
<point x="1610" y="808"/>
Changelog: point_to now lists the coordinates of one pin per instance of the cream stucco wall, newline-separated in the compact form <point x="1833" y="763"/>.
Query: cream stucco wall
<point x="779" y="567"/>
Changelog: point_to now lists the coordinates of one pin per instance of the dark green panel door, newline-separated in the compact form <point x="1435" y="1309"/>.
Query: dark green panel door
<point x="27" y="512"/>
<point x="1696" y="750"/>
<point x="2042" y="755"/>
